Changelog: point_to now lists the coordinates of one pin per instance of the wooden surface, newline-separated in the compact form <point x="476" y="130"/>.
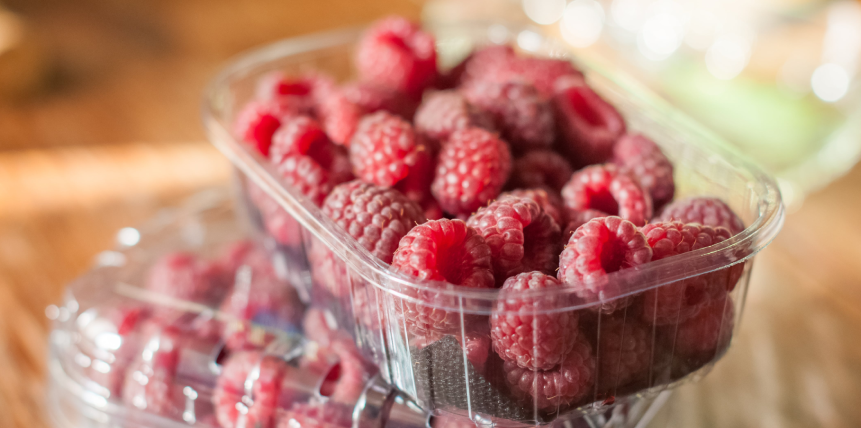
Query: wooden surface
<point x="113" y="134"/>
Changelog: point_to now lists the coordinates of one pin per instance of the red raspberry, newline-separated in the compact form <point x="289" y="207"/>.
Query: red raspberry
<point x="642" y="159"/>
<point x="339" y="115"/>
<point x="526" y="330"/>
<point x="682" y="300"/>
<point x="576" y="219"/>
<point x="706" y="211"/>
<point x="540" y="168"/>
<point x="561" y="387"/>
<point x="602" y="246"/>
<point x="589" y="125"/>
<point x="624" y="353"/>
<point x="550" y="202"/>
<point x="293" y="94"/>
<point x="396" y="54"/>
<point x="494" y="63"/>
<point x="306" y="176"/>
<point x="705" y="336"/>
<point x="150" y="383"/>
<point x="471" y="170"/>
<point x="521" y="236"/>
<point x="183" y="276"/>
<point x="317" y="415"/>
<point x="385" y="148"/>
<point x="121" y="320"/>
<point x="376" y="217"/>
<point x="477" y="345"/>
<point x="440" y="250"/>
<point x="444" y="112"/>
<point x="603" y="188"/>
<point x="523" y="116"/>
<point x="373" y="98"/>
<point x="233" y="406"/>
<point x="256" y="124"/>
<point x="544" y="72"/>
<point x="298" y="135"/>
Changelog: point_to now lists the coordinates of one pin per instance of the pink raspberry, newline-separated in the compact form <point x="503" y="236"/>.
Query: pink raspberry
<point x="376" y="217"/>
<point x="705" y="336"/>
<point x="385" y="149"/>
<point x="526" y="330"/>
<point x="293" y="94"/>
<point x="124" y="321"/>
<point x="444" y="112"/>
<point x="493" y="62"/>
<point x="234" y="407"/>
<point x="317" y="415"/>
<point x="556" y="389"/>
<point x="396" y="54"/>
<point x="346" y="379"/>
<point x="624" y="353"/>
<point x="150" y="383"/>
<point x="471" y="170"/>
<point x="602" y="246"/>
<point x="549" y="201"/>
<point x="256" y="124"/>
<point x="521" y="236"/>
<point x="440" y="250"/>
<point x="588" y="124"/>
<point x="184" y="276"/>
<point x="544" y="72"/>
<point x="603" y="188"/>
<point x="518" y="110"/>
<point x="373" y="98"/>
<point x="576" y="218"/>
<point x="642" y="159"/>
<point x="298" y="135"/>
<point x="339" y="116"/>
<point x="540" y="168"/>
<point x="682" y="300"/>
<point x="706" y="211"/>
<point x="477" y="345"/>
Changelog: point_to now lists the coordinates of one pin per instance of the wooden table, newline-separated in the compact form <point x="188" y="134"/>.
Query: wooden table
<point x="114" y="135"/>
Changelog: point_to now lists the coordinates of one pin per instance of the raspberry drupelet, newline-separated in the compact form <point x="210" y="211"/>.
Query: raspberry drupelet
<point x="444" y="112"/>
<point x="642" y="159"/>
<point x="682" y="300"/>
<point x="524" y="118"/>
<point x="521" y="236"/>
<point x="604" y="188"/>
<point x="395" y="53"/>
<point x="471" y="170"/>
<point x="385" y="149"/>
<point x="528" y="330"/>
<point x="588" y="125"/>
<point x="559" y="388"/>
<point x="706" y="211"/>
<point x="540" y="168"/>
<point x="600" y="247"/>
<point x="441" y="250"/>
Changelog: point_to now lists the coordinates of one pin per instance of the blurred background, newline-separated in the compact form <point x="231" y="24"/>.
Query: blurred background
<point x="99" y="129"/>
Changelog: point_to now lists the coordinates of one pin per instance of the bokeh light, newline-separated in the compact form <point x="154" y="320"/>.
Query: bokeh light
<point x="728" y="56"/>
<point x="830" y="82"/>
<point x="582" y="22"/>
<point x="660" y="36"/>
<point x="544" y="12"/>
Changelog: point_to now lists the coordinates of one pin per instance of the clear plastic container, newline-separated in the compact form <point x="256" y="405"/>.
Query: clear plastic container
<point x="445" y="370"/>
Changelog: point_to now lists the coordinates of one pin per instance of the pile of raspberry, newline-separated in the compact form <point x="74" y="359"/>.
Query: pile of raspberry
<point x="507" y="172"/>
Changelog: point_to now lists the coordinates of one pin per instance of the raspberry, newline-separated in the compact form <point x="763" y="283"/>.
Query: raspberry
<point x="561" y="387"/>
<point x="540" y="168"/>
<point x="183" y="276"/>
<point x="471" y="170"/>
<point x="706" y="211"/>
<point x="150" y="383"/>
<point x="602" y="246"/>
<point x="450" y="420"/>
<point x="682" y="300"/>
<point x="544" y="72"/>
<point x="319" y="326"/>
<point x="233" y="406"/>
<point x="278" y="222"/>
<point x="603" y="188"/>
<point x="123" y="321"/>
<point x="256" y="124"/>
<point x="519" y="112"/>
<point x="521" y="236"/>
<point x="589" y="125"/>
<point x="477" y="345"/>
<point x="642" y="159"/>
<point x="494" y="62"/>
<point x="551" y="203"/>
<point x="317" y="415"/>
<point x="703" y="337"/>
<point x="523" y="336"/>
<point x="292" y="94"/>
<point x="296" y="136"/>
<point x="385" y="148"/>
<point x="441" y="250"/>
<point x="306" y="176"/>
<point x="396" y="54"/>
<point x="376" y="217"/>
<point x="624" y="353"/>
<point x="340" y="116"/>
<point x="578" y="218"/>
<point x="373" y="98"/>
<point x="444" y="112"/>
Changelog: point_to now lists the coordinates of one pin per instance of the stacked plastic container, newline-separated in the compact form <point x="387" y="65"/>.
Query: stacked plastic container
<point x="452" y="374"/>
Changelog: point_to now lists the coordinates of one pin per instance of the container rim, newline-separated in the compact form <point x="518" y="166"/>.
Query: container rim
<point x="737" y="249"/>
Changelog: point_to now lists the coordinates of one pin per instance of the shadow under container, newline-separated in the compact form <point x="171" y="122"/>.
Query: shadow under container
<point x="432" y="341"/>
